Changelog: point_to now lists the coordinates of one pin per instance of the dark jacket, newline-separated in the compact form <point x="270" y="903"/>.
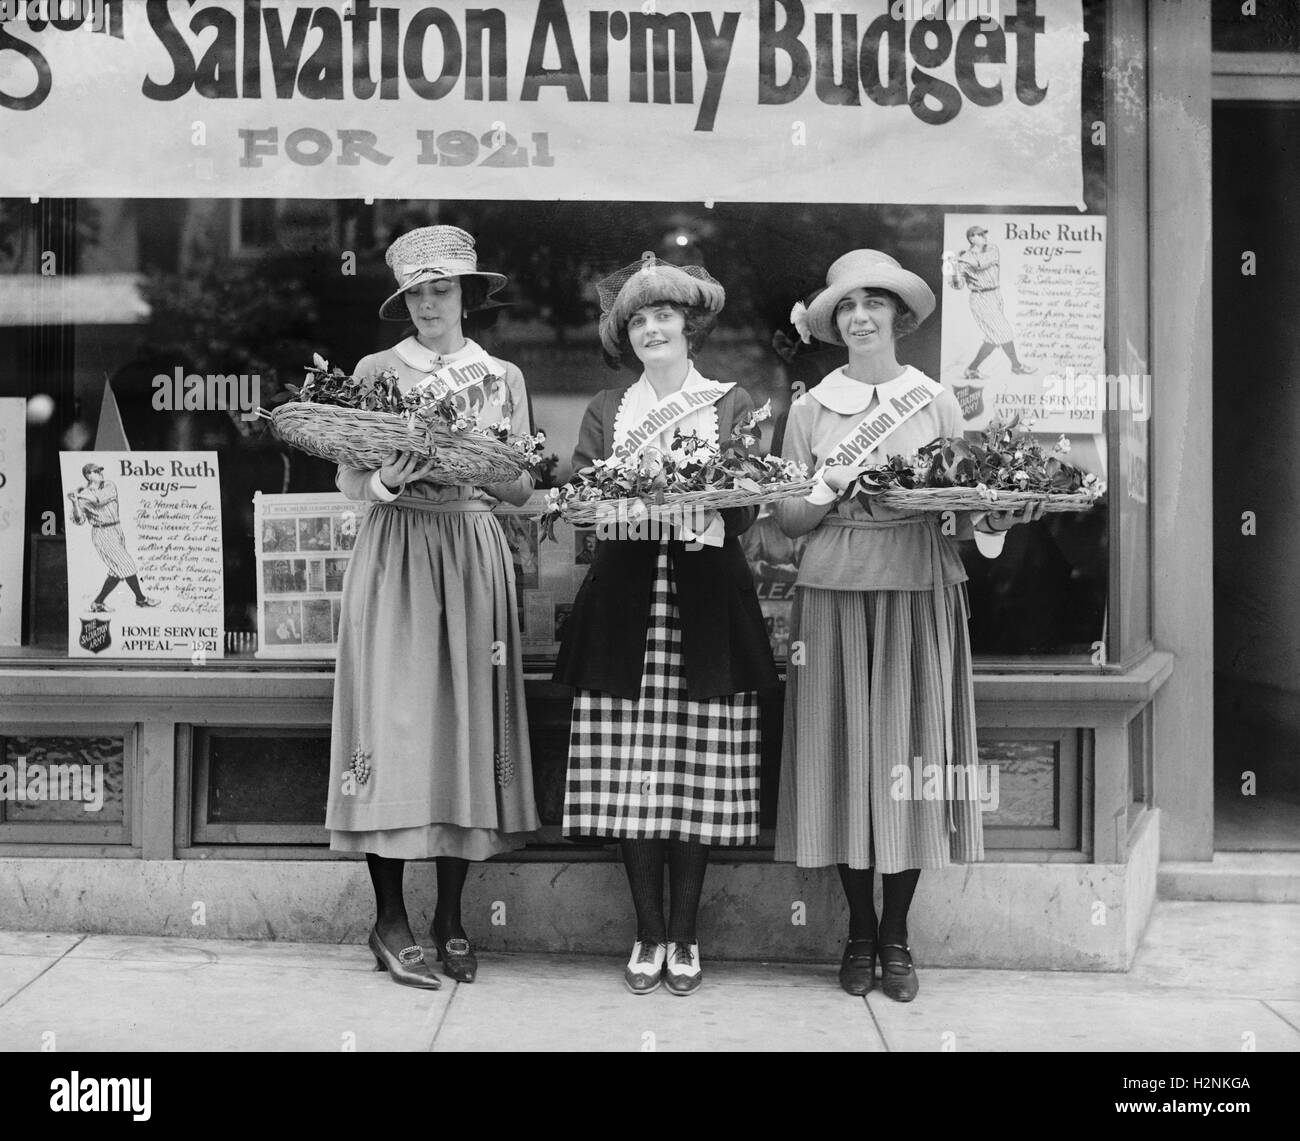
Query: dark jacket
<point x="725" y="647"/>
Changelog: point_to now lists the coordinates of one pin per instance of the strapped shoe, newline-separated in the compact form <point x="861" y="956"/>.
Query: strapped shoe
<point x="897" y="976"/>
<point x="407" y="967"/>
<point x="858" y="967"/>
<point x="683" y="969"/>
<point x="644" y="970"/>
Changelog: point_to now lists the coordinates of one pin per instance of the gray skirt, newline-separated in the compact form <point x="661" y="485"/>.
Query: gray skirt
<point x="429" y="752"/>
<point x="879" y="753"/>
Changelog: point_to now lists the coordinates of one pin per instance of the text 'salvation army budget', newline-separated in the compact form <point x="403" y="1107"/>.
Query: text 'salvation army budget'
<point x="595" y="55"/>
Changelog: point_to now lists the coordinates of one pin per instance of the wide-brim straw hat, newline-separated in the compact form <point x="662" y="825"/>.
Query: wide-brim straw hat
<point x="647" y="282"/>
<point x="429" y="253"/>
<point x="865" y="269"/>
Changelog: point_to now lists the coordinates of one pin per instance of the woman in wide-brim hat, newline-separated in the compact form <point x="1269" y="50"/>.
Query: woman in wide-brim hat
<point x="882" y="703"/>
<point x="666" y="646"/>
<point x="430" y="752"/>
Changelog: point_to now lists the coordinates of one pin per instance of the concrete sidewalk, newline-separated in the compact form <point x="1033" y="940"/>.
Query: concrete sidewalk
<point x="1209" y="976"/>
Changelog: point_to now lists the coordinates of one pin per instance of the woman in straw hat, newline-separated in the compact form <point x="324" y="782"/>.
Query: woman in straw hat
<point x="666" y="646"/>
<point x="430" y="755"/>
<point x="882" y="703"/>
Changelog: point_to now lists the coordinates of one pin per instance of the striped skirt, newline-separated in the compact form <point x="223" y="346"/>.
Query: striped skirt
<point x="864" y="776"/>
<point x="663" y="767"/>
<point x="987" y="310"/>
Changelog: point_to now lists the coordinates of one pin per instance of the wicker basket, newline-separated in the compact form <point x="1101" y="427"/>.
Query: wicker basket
<point x="592" y="511"/>
<point x="968" y="499"/>
<point x="366" y="439"/>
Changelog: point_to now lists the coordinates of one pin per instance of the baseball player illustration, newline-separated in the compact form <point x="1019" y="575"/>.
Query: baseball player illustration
<point x="96" y="504"/>
<point x="978" y="268"/>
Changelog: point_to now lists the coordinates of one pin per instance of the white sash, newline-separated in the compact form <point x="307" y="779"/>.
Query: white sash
<point x="447" y="378"/>
<point x="883" y="421"/>
<point x="672" y="408"/>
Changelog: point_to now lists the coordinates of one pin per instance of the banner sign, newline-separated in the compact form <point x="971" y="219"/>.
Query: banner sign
<point x="779" y="100"/>
<point x="13" y="506"/>
<point x="1024" y="319"/>
<point x="144" y="555"/>
<point x="303" y="544"/>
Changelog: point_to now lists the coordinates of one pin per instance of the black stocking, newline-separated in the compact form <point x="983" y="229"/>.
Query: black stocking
<point x="134" y="584"/>
<point x="862" y="905"/>
<point x="1010" y="349"/>
<point x="687" y="862"/>
<point x="451" y="885"/>
<point x="110" y="585"/>
<point x="981" y="356"/>
<point x="644" y="862"/>
<point x="386" y="876"/>
<point x="898" y="890"/>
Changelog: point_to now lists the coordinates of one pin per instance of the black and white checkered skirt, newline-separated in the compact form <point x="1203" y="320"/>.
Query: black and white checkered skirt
<point x="664" y="767"/>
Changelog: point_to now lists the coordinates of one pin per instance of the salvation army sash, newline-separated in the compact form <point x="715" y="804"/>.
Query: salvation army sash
<point x="628" y="440"/>
<point x="883" y="421"/>
<point x="448" y="379"/>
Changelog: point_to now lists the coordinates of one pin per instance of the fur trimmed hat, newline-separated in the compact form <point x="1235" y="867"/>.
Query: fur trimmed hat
<point x="646" y="282"/>
<point x="427" y="254"/>
<point x="865" y="269"/>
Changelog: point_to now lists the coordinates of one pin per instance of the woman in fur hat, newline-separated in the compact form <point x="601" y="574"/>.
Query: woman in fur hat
<point x="666" y="646"/>
<point x="430" y="753"/>
<point x="882" y="704"/>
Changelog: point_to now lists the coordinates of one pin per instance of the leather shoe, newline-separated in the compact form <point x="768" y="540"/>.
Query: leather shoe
<point x="644" y="970"/>
<point x="407" y="967"/>
<point x="858" y="967"/>
<point x="683" y="974"/>
<point x="897" y="976"/>
<point x="457" y="957"/>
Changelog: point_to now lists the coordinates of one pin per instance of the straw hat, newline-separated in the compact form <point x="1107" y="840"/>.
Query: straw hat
<point x="429" y="253"/>
<point x="865" y="269"/>
<point x="646" y="282"/>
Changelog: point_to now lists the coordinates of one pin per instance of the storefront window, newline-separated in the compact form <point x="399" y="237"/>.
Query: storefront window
<point x="139" y="290"/>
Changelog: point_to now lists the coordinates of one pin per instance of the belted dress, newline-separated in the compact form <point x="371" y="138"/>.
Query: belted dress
<point x="879" y="748"/>
<point x="429" y="751"/>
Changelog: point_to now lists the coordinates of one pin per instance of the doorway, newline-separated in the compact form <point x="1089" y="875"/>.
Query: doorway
<point x="1256" y="282"/>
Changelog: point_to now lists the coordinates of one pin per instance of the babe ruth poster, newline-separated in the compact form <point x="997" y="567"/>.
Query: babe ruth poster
<point x="1024" y="319"/>
<point x="144" y="554"/>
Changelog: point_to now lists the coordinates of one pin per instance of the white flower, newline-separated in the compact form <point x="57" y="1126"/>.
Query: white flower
<point x="763" y="413"/>
<point x="1019" y="456"/>
<point x="320" y="362"/>
<point x="1021" y="477"/>
<point x="1062" y="445"/>
<point x="799" y="319"/>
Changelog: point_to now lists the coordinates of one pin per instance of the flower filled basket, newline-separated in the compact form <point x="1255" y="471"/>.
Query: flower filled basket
<point x="1005" y="471"/>
<point x="361" y="421"/>
<point x="692" y="478"/>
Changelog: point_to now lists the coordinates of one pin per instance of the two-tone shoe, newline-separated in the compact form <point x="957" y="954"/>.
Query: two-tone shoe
<point x="644" y="970"/>
<point x="682" y="973"/>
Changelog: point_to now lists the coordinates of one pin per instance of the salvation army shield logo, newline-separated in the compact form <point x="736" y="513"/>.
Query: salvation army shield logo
<point x="95" y="635"/>
<point x="971" y="399"/>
